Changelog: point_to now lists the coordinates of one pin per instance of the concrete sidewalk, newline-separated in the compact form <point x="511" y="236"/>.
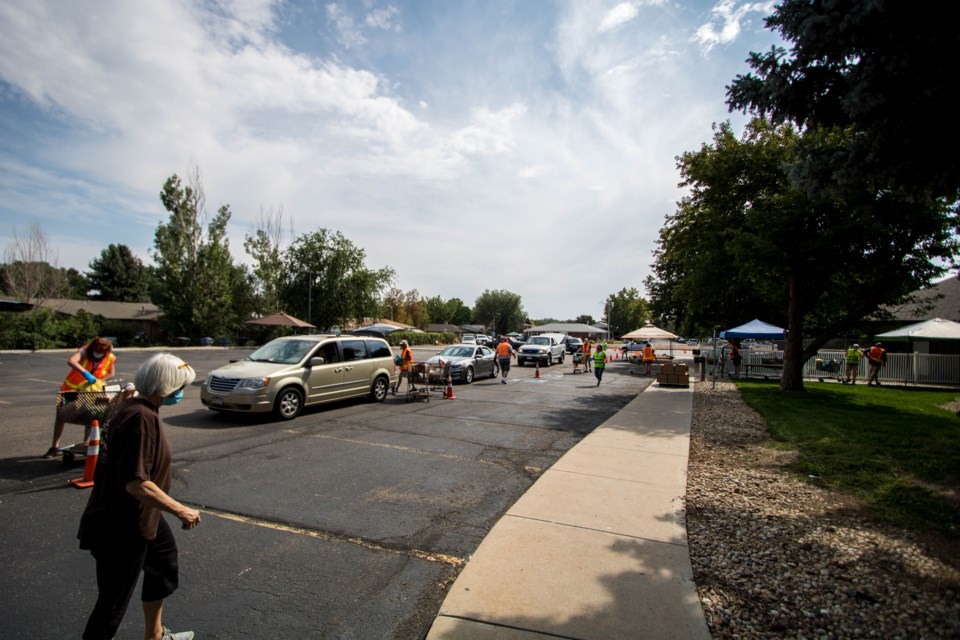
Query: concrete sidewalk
<point x="597" y="548"/>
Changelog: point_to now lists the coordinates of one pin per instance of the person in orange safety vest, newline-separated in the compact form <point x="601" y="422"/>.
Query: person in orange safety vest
<point x="649" y="357"/>
<point x="504" y="353"/>
<point x="876" y="358"/>
<point x="406" y="359"/>
<point x="89" y="366"/>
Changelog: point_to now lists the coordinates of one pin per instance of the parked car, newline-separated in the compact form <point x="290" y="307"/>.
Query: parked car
<point x="468" y="361"/>
<point x="546" y="348"/>
<point x="516" y="343"/>
<point x="469" y="338"/>
<point x="290" y="373"/>
<point x="574" y="345"/>
<point x="483" y="339"/>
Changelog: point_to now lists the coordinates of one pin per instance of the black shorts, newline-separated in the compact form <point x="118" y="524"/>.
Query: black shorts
<point x="505" y="364"/>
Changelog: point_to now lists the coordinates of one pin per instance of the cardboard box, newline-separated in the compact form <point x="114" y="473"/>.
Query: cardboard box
<point x="667" y="368"/>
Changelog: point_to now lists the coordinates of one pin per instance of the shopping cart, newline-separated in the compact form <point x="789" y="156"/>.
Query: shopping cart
<point x="426" y="377"/>
<point x="832" y="367"/>
<point x="84" y="407"/>
<point x="577" y="361"/>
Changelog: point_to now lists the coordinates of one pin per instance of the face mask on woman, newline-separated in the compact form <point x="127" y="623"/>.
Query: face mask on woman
<point x="98" y="355"/>
<point x="173" y="398"/>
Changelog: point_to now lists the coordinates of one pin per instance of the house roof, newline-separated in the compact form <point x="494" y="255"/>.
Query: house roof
<point x="443" y="328"/>
<point x="944" y="296"/>
<point x="565" y="327"/>
<point x="144" y="311"/>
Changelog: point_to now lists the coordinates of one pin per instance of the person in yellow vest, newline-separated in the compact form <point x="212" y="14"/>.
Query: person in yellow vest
<point x="599" y="362"/>
<point x="876" y="358"/>
<point x="406" y="361"/>
<point x="853" y="364"/>
<point x="89" y="367"/>
<point x="649" y="357"/>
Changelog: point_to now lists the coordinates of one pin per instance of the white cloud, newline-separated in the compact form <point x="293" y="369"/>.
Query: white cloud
<point x="620" y="14"/>
<point x="727" y="20"/>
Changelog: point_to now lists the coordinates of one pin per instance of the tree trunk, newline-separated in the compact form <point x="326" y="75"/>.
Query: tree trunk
<point x="792" y="378"/>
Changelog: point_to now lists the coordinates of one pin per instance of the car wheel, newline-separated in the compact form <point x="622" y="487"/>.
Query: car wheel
<point x="468" y="375"/>
<point x="379" y="390"/>
<point x="495" y="371"/>
<point x="561" y="358"/>
<point x="520" y="362"/>
<point x="550" y="360"/>
<point x="289" y="403"/>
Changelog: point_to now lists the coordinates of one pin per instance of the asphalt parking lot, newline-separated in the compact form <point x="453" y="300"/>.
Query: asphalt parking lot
<point x="348" y="522"/>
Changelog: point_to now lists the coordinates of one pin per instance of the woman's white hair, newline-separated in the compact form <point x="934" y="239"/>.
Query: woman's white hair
<point x="162" y="374"/>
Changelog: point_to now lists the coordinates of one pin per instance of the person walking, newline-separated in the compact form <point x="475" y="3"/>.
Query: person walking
<point x="406" y="361"/>
<point x="122" y="525"/>
<point x="89" y="367"/>
<point x="504" y="353"/>
<point x="587" y="347"/>
<point x="853" y="364"/>
<point x="599" y="362"/>
<point x="876" y="358"/>
<point x="648" y="358"/>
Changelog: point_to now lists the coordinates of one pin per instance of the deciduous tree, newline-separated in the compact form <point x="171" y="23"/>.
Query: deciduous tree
<point x="118" y="275"/>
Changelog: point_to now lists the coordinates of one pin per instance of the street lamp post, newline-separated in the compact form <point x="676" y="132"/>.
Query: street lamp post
<point x="309" y="295"/>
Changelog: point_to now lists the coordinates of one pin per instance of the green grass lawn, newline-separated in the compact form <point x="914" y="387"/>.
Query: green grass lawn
<point x="893" y="448"/>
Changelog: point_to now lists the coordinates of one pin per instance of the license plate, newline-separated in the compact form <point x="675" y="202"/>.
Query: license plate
<point x="216" y="402"/>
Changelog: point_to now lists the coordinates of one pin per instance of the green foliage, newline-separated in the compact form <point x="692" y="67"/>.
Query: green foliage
<point x="414" y="338"/>
<point x="884" y="71"/>
<point x="746" y="243"/>
<point x="895" y="449"/>
<point x="330" y="268"/>
<point x="406" y="307"/>
<point x="118" y="275"/>
<point x="627" y="311"/>
<point x="194" y="275"/>
<point x="44" y="329"/>
<point x="501" y="310"/>
<point x="268" y="275"/>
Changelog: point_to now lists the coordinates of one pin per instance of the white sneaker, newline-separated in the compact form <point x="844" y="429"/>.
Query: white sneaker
<point x="180" y="635"/>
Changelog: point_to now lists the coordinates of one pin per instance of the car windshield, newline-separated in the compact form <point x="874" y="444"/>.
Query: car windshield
<point x="539" y="340"/>
<point x="282" y="351"/>
<point x="457" y="352"/>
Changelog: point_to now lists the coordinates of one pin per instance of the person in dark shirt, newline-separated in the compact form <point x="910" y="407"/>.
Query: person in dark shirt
<point x="122" y="525"/>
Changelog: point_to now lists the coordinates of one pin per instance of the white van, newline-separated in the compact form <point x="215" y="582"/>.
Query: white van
<point x="546" y="348"/>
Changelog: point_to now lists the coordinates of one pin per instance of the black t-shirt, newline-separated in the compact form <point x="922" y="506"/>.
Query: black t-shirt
<point x="135" y="449"/>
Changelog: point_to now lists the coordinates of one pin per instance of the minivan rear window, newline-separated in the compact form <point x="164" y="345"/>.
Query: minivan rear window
<point x="378" y="349"/>
<point x="353" y="350"/>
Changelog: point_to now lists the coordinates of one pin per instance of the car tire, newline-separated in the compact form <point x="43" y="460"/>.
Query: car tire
<point x="378" y="392"/>
<point x="520" y="362"/>
<point x="561" y="358"/>
<point x="495" y="371"/>
<point x="289" y="403"/>
<point x="550" y="360"/>
<point x="468" y="375"/>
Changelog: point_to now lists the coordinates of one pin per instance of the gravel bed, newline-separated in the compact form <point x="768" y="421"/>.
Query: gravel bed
<point x="776" y="557"/>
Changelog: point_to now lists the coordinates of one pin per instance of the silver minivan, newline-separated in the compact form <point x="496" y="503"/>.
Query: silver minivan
<point x="290" y="373"/>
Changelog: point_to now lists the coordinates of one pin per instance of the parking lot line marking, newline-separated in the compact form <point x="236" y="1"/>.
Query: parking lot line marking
<point x="44" y="381"/>
<point x="324" y="535"/>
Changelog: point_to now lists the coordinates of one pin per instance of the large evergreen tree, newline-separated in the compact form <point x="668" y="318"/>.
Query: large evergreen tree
<point x="118" y="275"/>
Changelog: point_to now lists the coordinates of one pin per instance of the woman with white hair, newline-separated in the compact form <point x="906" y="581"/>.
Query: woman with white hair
<point x="122" y="525"/>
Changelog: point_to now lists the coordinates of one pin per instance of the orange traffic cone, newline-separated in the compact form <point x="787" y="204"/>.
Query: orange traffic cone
<point x="90" y="464"/>
<point x="536" y="374"/>
<point x="449" y="394"/>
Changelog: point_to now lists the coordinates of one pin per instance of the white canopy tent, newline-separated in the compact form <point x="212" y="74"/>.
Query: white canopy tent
<point x="935" y="329"/>
<point x="649" y="332"/>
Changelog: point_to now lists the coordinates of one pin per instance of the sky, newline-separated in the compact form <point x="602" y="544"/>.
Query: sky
<point x="471" y="145"/>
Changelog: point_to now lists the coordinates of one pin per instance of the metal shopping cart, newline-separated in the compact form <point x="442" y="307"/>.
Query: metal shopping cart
<point x="426" y="377"/>
<point x="83" y="407"/>
<point x="832" y="367"/>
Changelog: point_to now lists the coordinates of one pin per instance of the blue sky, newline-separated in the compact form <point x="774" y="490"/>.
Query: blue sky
<point x="528" y="145"/>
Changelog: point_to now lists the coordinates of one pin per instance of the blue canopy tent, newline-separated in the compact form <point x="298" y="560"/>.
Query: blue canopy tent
<point x="756" y="329"/>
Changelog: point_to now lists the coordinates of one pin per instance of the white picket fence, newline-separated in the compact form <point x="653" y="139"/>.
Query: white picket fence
<point x="901" y="368"/>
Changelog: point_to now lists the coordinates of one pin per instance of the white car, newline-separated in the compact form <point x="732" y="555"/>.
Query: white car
<point x="546" y="348"/>
<point x="469" y="338"/>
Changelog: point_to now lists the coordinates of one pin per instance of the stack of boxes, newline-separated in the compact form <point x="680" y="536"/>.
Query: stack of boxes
<point x="675" y="374"/>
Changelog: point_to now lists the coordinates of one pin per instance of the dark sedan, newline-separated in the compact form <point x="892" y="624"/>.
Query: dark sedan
<point x="468" y="361"/>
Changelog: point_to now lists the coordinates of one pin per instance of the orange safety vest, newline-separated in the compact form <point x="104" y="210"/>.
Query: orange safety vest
<point x="876" y="354"/>
<point x="407" y="356"/>
<point x="75" y="379"/>
<point x="503" y="349"/>
<point x="648" y="355"/>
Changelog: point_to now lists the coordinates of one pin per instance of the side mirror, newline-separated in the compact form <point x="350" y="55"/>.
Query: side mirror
<point x="316" y="361"/>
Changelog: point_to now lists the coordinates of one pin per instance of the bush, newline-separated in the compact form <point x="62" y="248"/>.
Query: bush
<point x="44" y="329"/>
<point x="414" y="338"/>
